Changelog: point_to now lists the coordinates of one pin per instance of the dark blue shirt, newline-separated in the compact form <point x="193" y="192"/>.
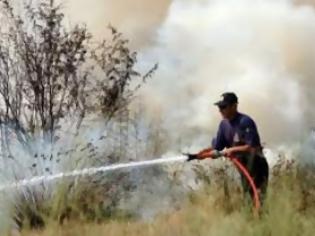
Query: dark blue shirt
<point x="239" y="131"/>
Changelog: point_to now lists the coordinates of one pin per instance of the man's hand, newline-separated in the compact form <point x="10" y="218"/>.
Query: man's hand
<point x="207" y="153"/>
<point x="210" y="153"/>
<point x="228" y="152"/>
<point x="215" y="154"/>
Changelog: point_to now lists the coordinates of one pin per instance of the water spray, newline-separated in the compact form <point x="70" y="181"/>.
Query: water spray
<point x="94" y="170"/>
<point x="88" y="172"/>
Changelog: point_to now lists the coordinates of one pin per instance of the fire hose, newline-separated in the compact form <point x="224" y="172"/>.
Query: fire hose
<point x="244" y="171"/>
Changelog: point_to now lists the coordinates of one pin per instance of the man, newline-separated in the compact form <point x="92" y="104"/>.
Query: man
<point x="238" y="136"/>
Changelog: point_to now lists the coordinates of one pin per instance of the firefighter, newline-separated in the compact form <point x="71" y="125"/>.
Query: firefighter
<point x="238" y="136"/>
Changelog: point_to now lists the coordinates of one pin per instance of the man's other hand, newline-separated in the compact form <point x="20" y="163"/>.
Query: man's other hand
<point x="216" y="154"/>
<point x="228" y="152"/>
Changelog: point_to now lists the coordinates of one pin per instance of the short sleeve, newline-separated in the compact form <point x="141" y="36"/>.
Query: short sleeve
<point x="249" y="132"/>
<point x="219" y="142"/>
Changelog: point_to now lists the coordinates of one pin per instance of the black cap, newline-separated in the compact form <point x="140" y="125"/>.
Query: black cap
<point x="228" y="98"/>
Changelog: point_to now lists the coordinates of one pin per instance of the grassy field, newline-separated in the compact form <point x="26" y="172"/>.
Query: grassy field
<point x="289" y="210"/>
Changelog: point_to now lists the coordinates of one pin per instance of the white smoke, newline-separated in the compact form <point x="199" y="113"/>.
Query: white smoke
<point x="137" y="19"/>
<point x="262" y="50"/>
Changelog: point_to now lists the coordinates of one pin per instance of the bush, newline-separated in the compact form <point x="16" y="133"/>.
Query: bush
<point x="63" y="105"/>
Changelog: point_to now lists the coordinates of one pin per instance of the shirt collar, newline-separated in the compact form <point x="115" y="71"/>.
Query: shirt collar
<point x="235" y="118"/>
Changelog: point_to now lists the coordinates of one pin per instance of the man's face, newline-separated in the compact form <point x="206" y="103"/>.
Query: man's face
<point x="228" y="111"/>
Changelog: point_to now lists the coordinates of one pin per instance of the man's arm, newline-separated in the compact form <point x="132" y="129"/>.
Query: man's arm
<point x="209" y="152"/>
<point x="243" y="148"/>
<point x="251" y="139"/>
<point x="218" y="144"/>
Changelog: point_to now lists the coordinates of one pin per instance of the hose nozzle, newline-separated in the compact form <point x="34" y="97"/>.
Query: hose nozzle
<point x="191" y="157"/>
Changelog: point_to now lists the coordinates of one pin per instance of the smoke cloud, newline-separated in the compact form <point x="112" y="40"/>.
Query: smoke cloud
<point x="138" y="19"/>
<point x="262" y="50"/>
<point x="305" y="2"/>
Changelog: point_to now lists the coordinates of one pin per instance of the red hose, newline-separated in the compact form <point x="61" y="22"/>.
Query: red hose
<point x="244" y="171"/>
<point x="250" y="181"/>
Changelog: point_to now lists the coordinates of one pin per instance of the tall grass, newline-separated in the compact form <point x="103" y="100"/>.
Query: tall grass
<point x="289" y="209"/>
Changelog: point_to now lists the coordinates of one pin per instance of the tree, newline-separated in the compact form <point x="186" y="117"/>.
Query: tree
<point x="52" y="76"/>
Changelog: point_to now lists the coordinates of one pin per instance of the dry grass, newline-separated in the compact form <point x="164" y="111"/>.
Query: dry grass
<point x="287" y="211"/>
